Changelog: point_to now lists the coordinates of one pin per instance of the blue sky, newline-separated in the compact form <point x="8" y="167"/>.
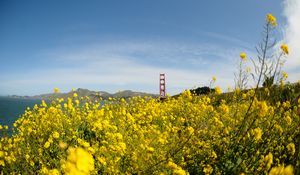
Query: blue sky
<point x="117" y="45"/>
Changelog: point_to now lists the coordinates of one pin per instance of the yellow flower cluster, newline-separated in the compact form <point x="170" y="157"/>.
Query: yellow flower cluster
<point x="177" y="170"/>
<point x="268" y="160"/>
<point x="218" y="90"/>
<point x="79" y="162"/>
<point x="271" y="20"/>
<point x="257" y="133"/>
<point x="188" y="134"/>
<point x="214" y="78"/>
<point x="285" y="49"/>
<point x="281" y="170"/>
<point x="243" y="56"/>
<point x="291" y="148"/>
<point x="56" y="90"/>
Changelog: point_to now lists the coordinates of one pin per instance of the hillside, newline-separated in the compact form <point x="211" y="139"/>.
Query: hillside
<point x="85" y="92"/>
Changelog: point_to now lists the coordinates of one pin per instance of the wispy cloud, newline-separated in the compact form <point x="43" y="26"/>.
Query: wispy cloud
<point x="131" y="65"/>
<point x="292" y="13"/>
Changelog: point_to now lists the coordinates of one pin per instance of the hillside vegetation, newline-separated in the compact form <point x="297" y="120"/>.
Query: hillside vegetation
<point x="87" y="93"/>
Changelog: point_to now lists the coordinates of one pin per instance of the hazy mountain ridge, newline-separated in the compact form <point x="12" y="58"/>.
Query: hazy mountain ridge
<point x="85" y="92"/>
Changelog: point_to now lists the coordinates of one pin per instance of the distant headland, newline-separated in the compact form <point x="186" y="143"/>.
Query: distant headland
<point x="85" y="92"/>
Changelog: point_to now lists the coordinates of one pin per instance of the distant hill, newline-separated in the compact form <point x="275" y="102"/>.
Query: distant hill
<point x="85" y="92"/>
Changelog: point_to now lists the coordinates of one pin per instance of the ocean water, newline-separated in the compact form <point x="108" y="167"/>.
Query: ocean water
<point x="12" y="108"/>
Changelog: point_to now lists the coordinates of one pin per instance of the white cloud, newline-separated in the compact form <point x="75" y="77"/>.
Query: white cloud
<point x="130" y="65"/>
<point x="292" y="13"/>
<point x="117" y="73"/>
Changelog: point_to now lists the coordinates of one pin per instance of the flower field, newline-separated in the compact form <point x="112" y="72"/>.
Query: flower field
<point x="245" y="131"/>
<point x="190" y="134"/>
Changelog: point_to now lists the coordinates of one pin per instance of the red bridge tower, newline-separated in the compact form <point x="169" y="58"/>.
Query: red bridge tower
<point x="162" y="86"/>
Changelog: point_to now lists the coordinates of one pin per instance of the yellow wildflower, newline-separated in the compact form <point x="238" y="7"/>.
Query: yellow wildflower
<point x="62" y="145"/>
<point x="207" y="170"/>
<point x="288" y="120"/>
<point x="218" y="90"/>
<point x="150" y="149"/>
<point x="79" y="161"/>
<point x="56" y="90"/>
<point x="1" y="154"/>
<point x="214" y="78"/>
<point x="284" y="75"/>
<point x="46" y="145"/>
<point x="268" y="160"/>
<point x="27" y="156"/>
<point x="278" y="128"/>
<point x="257" y="132"/>
<point x="271" y="20"/>
<point x="285" y="49"/>
<point x="281" y="170"/>
<point x="176" y="169"/>
<point x="44" y="170"/>
<point x="190" y="130"/>
<point x="291" y="148"/>
<point x="53" y="172"/>
<point x="56" y="135"/>
<point x="262" y="109"/>
<point x="179" y="172"/>
<point x="75" y="95"/>
<point x="243" y="56"/>
<point x="172" y="165"/>
<point x="2" y="163"/>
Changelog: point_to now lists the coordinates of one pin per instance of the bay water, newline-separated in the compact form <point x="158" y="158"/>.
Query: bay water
<point x="12" y="108"/>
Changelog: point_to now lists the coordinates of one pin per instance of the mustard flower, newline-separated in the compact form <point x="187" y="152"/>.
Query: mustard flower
<point x="285" y="75"/>
<point x="56" y="135"/>
<point x="75" y="95"/>
<point x="47" y="145"/>
<point x="79" y="161"/>
<point x="271" y="20"/>
<point x="62" y="145"/>
<point x="53" y="172"/>
<point x="214" y="78"/>
<point x="243" y="56"/>
<point x="285" y="49"/>
<point x="150" y="149"/>
<point x="190" y="130"/>
<point x="179" y="172"/>
<point x="207" y="170"/>
<point x="262" y="109"/>
<point x="218" y="90"/>
<point x="281" y="170"/>
<point x="56" y="90"/>
<point x="291" y="148"/>
<point x="257" y="132"/>
<point x="172" y="165"/>
<point x="269" y="160"/>
<point x="2" y="163"/>
<point x="288" y="120"/>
